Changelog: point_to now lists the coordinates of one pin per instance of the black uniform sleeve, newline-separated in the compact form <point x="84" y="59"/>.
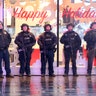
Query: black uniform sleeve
<point x="78" y="41"/>
<point x="18" y="40"/>
<point x="54" y="40"/>
<point x="9" y="38"/>
<point x="40" y="40"/>
<point x="64" y="39"/>
<point x="32" y="41"/>
<point x="87" y="37"/>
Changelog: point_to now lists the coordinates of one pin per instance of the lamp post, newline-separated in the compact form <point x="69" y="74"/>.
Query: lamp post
<point x="57" y="33"/>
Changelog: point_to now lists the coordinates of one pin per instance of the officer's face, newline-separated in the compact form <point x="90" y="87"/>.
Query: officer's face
<point x="1" y="27"/>
<point x="25" y="28"/>
<point x="94" y="26"/>
<point x="70" y="28"/>
<point x="48" y="28"/>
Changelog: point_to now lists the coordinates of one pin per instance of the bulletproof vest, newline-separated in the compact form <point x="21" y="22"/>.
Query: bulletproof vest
<point x="91" y="39"/>
<point x="71" y="39"/>
<point x="4" y="39"/>
<point x="48" y="39"/>
<point x="94" y="35"/>
<point x="26" y="38"/>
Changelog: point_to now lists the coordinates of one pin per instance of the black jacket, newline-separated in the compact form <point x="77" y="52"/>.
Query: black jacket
<point x="71" y="40"/>
<point x="90" y="38"/>
<point x="5" y="39"/>
<point x="25" y="40"/>
<point x="47" y="40"/>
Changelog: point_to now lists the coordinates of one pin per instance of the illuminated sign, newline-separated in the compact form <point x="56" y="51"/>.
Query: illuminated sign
<point x="21" y="13"/>
<point x="79" y="13"/>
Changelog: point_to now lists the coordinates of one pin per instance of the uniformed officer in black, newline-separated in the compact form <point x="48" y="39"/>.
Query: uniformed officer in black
<point x="5" y="40"/>
<point x="72" y="43"/>
<point x="25" y="40"/>
<point x="47" y="42"/>
<point x="90" y="38"/>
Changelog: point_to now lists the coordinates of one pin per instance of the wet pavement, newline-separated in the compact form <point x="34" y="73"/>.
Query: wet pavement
<point x="48" y="86"/>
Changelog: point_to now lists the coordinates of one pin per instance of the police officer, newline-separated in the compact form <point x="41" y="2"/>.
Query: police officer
<point x="5" y="40"/>
<point x="47" y="42"/>
<point x="25" y="41"/>
<point x="90" y="38"/>
<point x="72" y="43"/>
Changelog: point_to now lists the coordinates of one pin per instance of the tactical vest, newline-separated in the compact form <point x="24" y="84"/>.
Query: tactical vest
<point x="26" y="38"/>
<point x="48" y="39"/>
<point x="4" y="40"/>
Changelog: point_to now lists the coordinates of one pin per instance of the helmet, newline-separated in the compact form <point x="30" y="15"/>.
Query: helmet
<point x="46" y="26"/>
<point x="24" y="24"/>
<point x="70" y="24"/>
<point x="92" y="24"/>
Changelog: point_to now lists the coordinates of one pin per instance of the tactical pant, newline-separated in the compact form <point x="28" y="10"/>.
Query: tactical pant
<point x="91" y="55"/>
<point x="4" y="55"/>
<point x="70" y="54"/>
<point x="24" y="58"/>
<point x="48" y="56"/>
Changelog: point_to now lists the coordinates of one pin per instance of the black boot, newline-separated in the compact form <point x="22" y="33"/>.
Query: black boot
<point x="9" y="76"/>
